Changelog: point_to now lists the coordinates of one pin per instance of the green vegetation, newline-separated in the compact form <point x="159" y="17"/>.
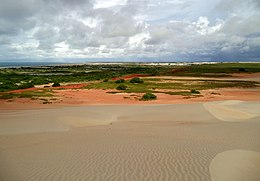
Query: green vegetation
<point x="27" y="94"/>
<point x="175" y="84"/>
<point x="55" y="84"/>
<point x="148" y="96"/>
<point x="99" y="76"/>
<point x="120" y="81"/>
<point x="121" y="87"/>
<point x="25" y="85"/>
<point x="193" y="91"/>
<point x="136" y="80"/>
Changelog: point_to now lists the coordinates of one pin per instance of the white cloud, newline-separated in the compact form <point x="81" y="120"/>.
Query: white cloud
<point x="109" y="3"/>
<point x="128" y="28"/>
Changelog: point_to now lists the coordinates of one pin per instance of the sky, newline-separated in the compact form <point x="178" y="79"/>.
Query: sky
<point x="130" y="30"/>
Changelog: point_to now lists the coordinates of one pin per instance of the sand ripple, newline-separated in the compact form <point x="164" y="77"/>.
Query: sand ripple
<point x="236" y="165"/>
<point x="173" y="142"/>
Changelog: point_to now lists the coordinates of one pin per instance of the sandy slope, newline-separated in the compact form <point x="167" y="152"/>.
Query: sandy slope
<point x="148" y="142"/>
<point x="233" y="110"/>
<point x="236" y="165"/>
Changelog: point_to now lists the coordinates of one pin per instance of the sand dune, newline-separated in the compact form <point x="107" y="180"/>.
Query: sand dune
<point x="233" y="110"/>
<point x="63" y="119"/>
<point x="155" y="142"/>
<point x="236" y="165"/>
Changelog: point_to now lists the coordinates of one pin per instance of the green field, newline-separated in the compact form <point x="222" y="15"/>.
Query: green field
<point x="99" y="76"/>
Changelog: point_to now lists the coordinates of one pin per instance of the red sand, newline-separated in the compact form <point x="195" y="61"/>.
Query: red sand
<point x="101" y="97"/>
<point x="72" y="86"/>
<point x="73" y="95"/>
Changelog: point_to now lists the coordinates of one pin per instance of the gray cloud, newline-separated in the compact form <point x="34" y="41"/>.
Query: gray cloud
<point x="120" y="28"/>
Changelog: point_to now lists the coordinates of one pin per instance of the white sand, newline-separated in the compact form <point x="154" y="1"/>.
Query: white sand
<point x="236" y="165"/>
<point x="156" y="142"/>
<point x="233" y="110"/>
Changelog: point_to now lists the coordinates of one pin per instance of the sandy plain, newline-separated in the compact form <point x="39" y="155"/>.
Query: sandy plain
<point x="182" y="142"/>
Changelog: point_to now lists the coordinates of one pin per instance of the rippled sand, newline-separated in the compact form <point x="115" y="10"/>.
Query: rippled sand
<point x="156" y="142"/>
<point x="236" y="165"/>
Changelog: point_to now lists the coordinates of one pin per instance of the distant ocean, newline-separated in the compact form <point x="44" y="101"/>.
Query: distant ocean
<point x="35" y="64"/>
<point x="26" y="64"/>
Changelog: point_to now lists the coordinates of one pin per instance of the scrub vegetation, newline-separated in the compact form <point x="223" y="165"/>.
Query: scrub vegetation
<point x="151" y="78"/>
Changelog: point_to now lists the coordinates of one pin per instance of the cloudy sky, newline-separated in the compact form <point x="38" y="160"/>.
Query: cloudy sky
<point x="175" y="30"/>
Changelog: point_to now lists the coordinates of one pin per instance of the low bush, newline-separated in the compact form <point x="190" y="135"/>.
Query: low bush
<point x="149" y="96"/>
<point x="55" y="84"/>
<point x="121" y="87"/>
<point x="26" y="85"/>
<point x="136" y="80"/>
<point x="241" y="70"/>
<point x="120" y="81"/>
<point x="193" y="91"/>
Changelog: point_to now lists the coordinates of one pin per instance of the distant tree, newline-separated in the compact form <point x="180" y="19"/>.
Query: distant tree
<point x="55" y="84"/>
<point x="241" y="70"/>
<point x="136" y="80"/>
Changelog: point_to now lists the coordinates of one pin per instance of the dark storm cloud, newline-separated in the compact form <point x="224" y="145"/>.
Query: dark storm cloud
<point x="129" y="28"/>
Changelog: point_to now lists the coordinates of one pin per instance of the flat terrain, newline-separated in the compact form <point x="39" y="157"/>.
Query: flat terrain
<point x="152" y="142"/>
<point x="90" y="122"/>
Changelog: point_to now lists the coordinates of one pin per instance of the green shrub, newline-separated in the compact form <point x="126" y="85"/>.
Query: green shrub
<point x="8" y="86"/>
<point x="105" y="80"/>
<point x="121" y="87"/>
<point x="136" y="80"/>
<point x="241" y="70"/>
<point x="149" y="96"/>
<point x="26" y="85"/>
<point x="193" y="91"/>
<point x="40" y="81"/>
<point x="120" y="81"/>
<point x="55" y="84"/>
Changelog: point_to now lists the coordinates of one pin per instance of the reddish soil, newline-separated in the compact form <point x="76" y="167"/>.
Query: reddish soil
<point x="73" y="95"/>
<point x="69" y="86"/>
<point x="102" y="97"/>
<point x="127" y="77"/>
<point x="24" y="90"/>
<point x="72" y="86"/>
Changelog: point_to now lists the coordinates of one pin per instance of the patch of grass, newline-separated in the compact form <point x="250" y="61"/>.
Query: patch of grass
<point x="148" y="96"/>
<point x="120" y="81"/>
<point x="121" y="87"/>
<point x="154" y="86"/>
<point x="182" y="93"/>
<point x="27" y="94"/>
<point x="25" y="85"/>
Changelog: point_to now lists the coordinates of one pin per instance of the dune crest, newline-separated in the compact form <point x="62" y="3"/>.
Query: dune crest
<point x="232" y="111"/>
<point x="236" y="165"/>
